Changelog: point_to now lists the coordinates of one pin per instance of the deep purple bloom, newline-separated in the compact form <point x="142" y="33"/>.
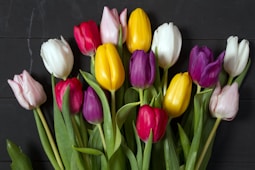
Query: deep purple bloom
<point x="92" y="107"/>
<point x="203" y="69"/>
<point x="142" y="69"/>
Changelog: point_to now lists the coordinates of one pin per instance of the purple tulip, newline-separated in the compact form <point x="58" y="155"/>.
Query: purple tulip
<point x="224" y="102"/>
<point x="142" y="69"/>
<point x="203" y="69"/>
<point x="92" y="107"/>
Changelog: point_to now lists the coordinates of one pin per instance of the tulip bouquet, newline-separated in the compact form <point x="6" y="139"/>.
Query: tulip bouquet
<point x="128" y="113"/>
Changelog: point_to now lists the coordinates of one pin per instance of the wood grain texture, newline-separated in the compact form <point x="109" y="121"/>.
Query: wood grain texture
<point x="26" y="24"/>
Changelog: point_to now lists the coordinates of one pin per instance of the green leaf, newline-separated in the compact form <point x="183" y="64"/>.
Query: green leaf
<point x="20" y="161"/>
<point x="90" y="151"/>
<point x="139" y="154"/>
<point x="107" y="126"/>
<point x="147" y="152"/>
<point x="184" y="141"/>
<point x="241" y="77"/>
<point x="131" y="157"/>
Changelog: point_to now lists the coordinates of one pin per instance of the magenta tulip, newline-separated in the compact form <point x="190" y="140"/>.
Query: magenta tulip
<point x="75" y="94"/>
<point x="142" y="69"/>
<point x="87" y="37"/>
<point x="148" y="119"/>
<point x="92" y="107"/>
<point x="110" y="25"/>
<point x="29" y="93"/>
<point x="224" y="102"/>
<point x="203" y="69"/>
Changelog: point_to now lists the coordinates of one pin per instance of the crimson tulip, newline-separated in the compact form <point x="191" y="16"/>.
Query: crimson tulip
<point x="75" y="94"/>
<point x="142" y="69"/>
<point x="92" y="107"/>
<point x="87" y="37"/>
<point x="148" y="119"/>
<point x="203" y="69"/>
<point x="29" y="93"/>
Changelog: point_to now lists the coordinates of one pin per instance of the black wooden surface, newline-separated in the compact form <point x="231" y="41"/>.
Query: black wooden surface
<point x="25" y="24"/>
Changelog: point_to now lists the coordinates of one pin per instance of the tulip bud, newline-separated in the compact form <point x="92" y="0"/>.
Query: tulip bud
<point x="75" y="94"/>
<point x="236" y="56"/>
<point x="148" y="119"/>
<point x="29" y="93"/>
<point x="87" y="37"/>
<point x="224" y="102"/>
<point x="92" y="107"/>
<point x="142" y="69"/>
<point x="109" y="70"/>
<point x="177" y="97"/>
<point x="139" y="31"/>
<point x="168" y="41"/>
<point x="203" y="69"/>
<point x="110" y="25"/>
<point x="57" y="57"/>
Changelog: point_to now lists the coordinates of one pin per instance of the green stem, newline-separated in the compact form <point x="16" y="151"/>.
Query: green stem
<point x="113" y="108"/>
<point x="208" y="142"/>
<point x="141" y="96"/>
<point x="101" y="135"/>
<point x="230" y="79"/>
<point x="165" y="78"/>
<point x="51" y="140"/>
<point x="198" y="88"/>
<point x="92" y="64"/>
<point x="76" y="131"/>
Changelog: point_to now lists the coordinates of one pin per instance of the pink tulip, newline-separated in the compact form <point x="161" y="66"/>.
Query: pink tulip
<point x="224" y="102"/>
<point x="29" y="93"/>
<point x="75" y="96"/>
<point x="148" y="119"/>
<point x="110" y="25"/>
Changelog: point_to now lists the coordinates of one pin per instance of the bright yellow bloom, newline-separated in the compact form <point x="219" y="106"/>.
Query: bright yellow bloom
<point x="178" y="94"/>
<point x="139" y="31"/>
<point x="109" y="70"/>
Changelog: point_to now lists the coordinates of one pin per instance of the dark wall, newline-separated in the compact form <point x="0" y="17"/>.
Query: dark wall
<point x="26" y="24"/>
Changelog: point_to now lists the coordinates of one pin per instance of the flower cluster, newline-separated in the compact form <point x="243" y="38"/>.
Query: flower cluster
<point x="126" y="106"/>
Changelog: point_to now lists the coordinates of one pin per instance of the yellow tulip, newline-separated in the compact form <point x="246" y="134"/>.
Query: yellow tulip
<point x="139" y="31"/>
<point x="109" y="70"/>
<point x="178" y="94"/>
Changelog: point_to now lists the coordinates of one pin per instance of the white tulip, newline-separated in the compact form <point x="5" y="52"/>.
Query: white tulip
<point x="236" y="56"/>
<point x="168" y="41"/>
<point x="57" y="57"/>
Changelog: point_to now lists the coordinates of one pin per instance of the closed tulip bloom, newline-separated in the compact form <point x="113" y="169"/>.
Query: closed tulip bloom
<point x="57" y="57"/>
<point x="224" y="102"/>
<point x="29" y="93"/>
<point x="203" y="69"/>
<point x="92" y="107"/>
<point x="87" y="37"/>
<point x="139" y="31"/>
<point x="109" y="70"/>
<point x="110" y="25"/>
<point x="236" y="56"/>
<point x="177" y="97"/>
<point x="75" y="94"/>
<point x="168" y="41"/>
<point x="142" y="69"/>
<point x="148" y="119"/>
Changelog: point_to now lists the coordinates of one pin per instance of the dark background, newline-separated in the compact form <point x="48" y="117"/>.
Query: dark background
<point x="26" y="24"/>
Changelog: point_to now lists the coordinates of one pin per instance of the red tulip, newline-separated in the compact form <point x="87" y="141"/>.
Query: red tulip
<point x="87" y="37"/>
<point x="150" y="118"/>
<point x="75" y="96"/>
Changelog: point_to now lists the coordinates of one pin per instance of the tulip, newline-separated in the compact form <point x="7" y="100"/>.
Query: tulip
<point x="142" y="69"/>
<point x="224" y="102"/>
<point x="167" y="41"/>
<point x="57" y="57"/>
<point x="177" y="97"/>
<point x="148" y="119"/>
<point x="203" y="70"/>
<point x="236" y="56"/>
<point x="110" y="25"/>
<point x="92" y="107"/>
<point x="75" y="94"/>
<point x="139" y="31"/>
<point x="87" y="37"/>
<point x="109" y="70"/>
<point x="29" y="93"/>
